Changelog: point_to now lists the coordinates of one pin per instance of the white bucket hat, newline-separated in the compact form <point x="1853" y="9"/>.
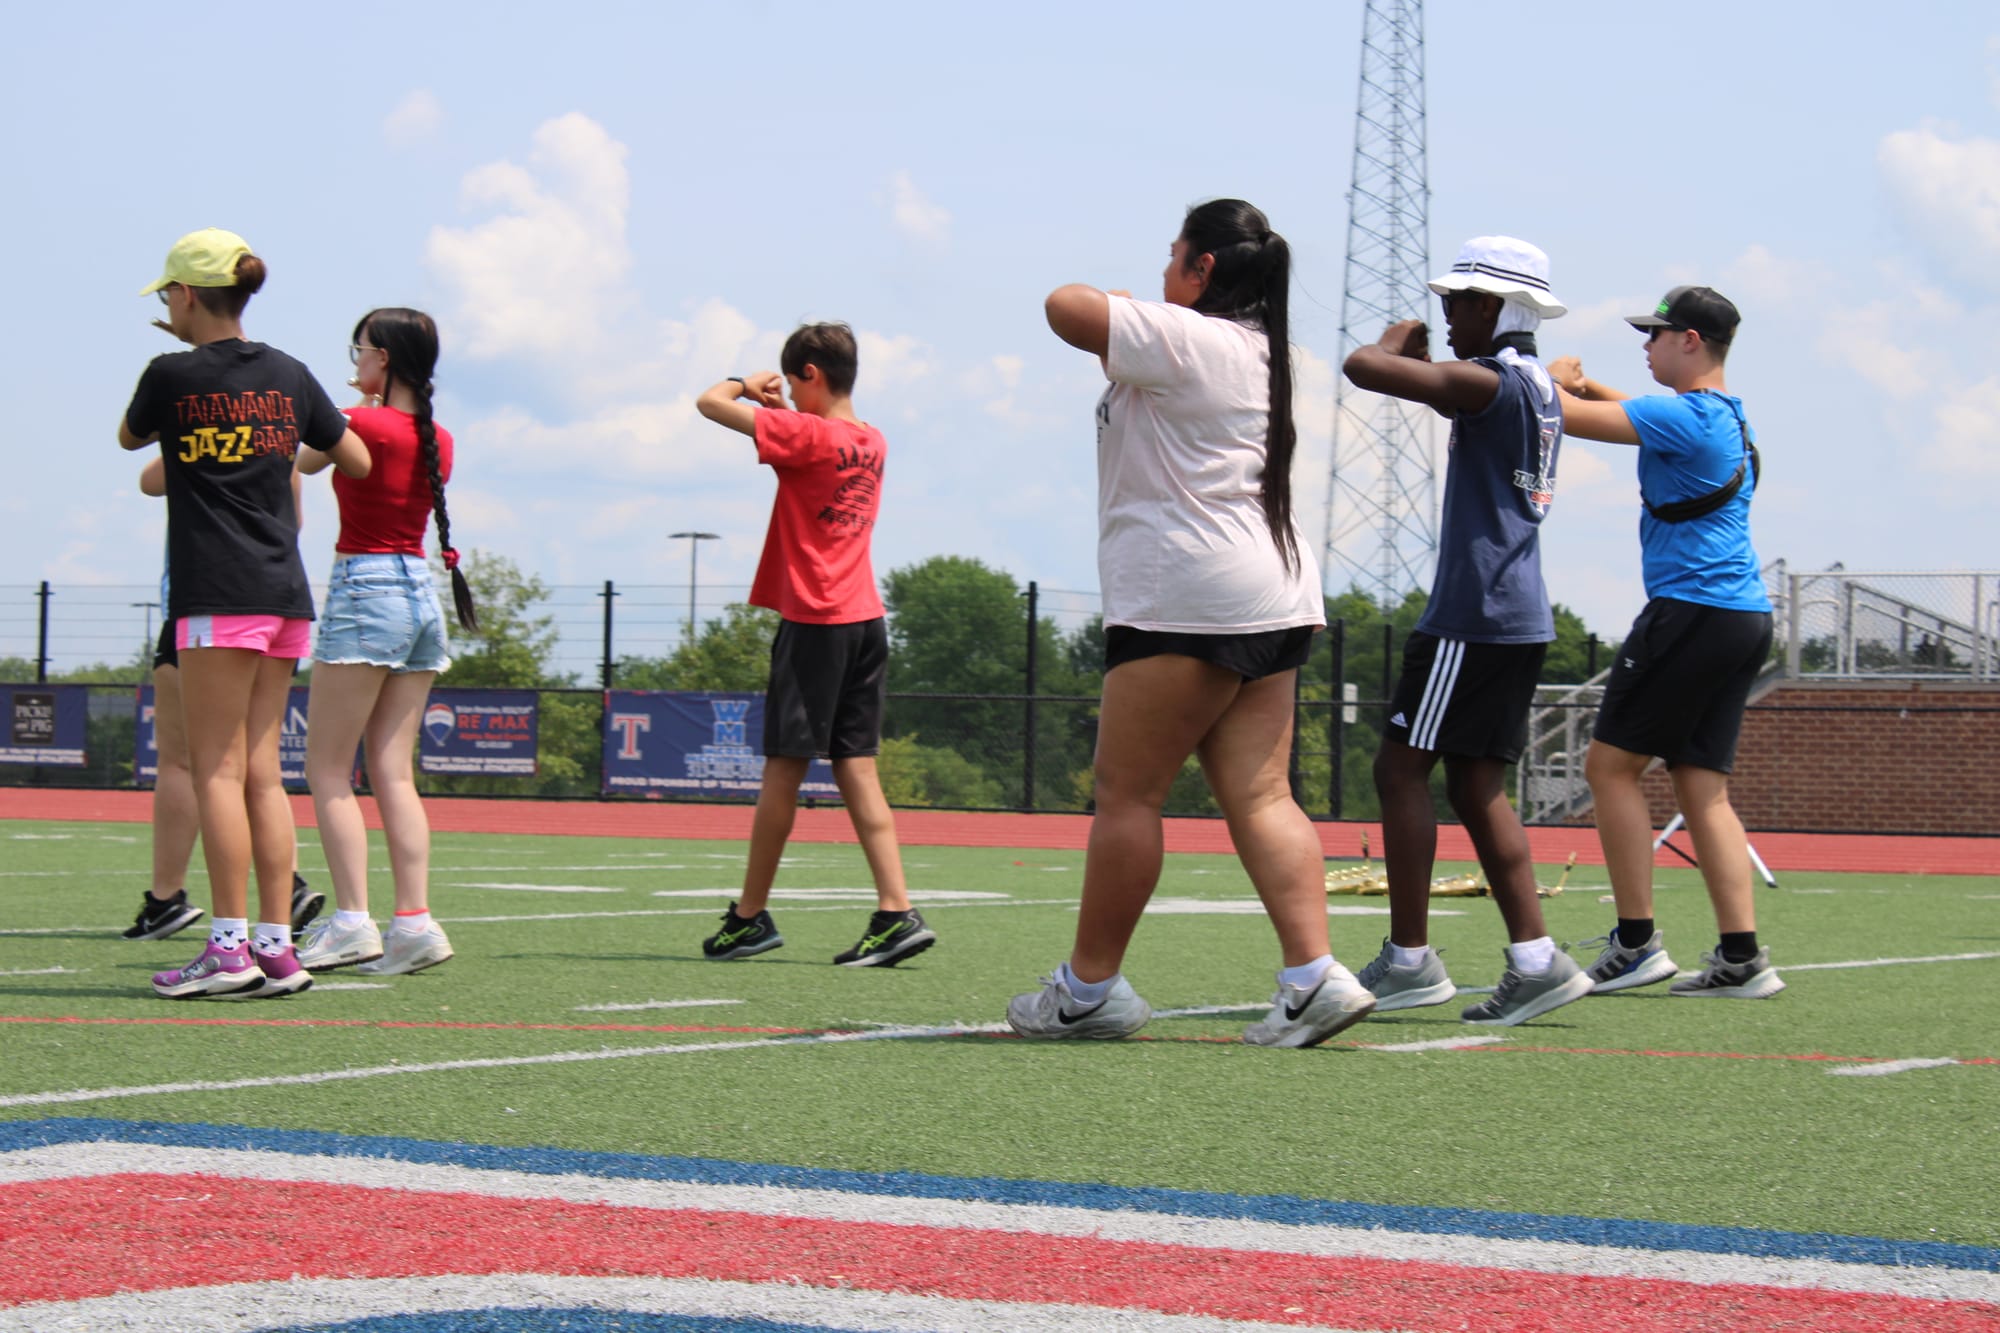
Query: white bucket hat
<point x="1505" y="267"/>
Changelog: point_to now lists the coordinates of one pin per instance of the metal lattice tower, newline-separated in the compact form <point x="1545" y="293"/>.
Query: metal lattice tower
<point x="1381" y="504"/>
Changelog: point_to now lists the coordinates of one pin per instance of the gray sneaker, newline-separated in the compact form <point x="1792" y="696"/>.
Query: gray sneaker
<point x="1406" y="987"/>
<point x="327" y="944"/>
<point x="1307" y="1016"/>
<point x="1054" y="1013"/>
<point x="1619" y="968"/>
<point x="409" y="951"/>
<point x="1752" y="980"/>
<point x="1521" y="996"/>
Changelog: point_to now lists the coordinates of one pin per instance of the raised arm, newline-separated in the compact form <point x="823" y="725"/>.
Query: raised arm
<point x="1590" y="409"/>
<point x="1081" y="316"/>
<point x="350" y="456"/>
<point x="734" y="402"/>
<point x="1400" y="366"/>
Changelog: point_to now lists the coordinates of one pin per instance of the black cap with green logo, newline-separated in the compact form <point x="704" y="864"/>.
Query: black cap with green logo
<point x="1703" y="309"/>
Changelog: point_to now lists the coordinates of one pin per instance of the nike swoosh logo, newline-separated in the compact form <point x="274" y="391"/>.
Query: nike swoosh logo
<point x="1292" y="1015"/>
<point x="1066" y="1018"/>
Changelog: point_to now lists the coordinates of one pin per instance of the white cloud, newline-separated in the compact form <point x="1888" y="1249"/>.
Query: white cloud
<point x="1948" y="190"/>
<point x="914" y="214"/>
<point x="415" y="118"/>
<point x="546" y="275"/>
<point x="891" y="361"/>
<point x="1967" y="423"/>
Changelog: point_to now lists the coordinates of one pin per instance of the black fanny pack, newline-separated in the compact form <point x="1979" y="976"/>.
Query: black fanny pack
<point x="1700" y="506"/>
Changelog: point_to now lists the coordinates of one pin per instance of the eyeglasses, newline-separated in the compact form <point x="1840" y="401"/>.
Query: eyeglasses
<point x="1658" y="329"/>
<point x="354" y="351"/>
<point x="1446" y="298"/>
<point x="163" y="294"/>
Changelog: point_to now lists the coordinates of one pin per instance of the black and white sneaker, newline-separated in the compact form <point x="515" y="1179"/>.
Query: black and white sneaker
<point x="891" y="937"/>
<point x="305" y="903"/>
<point x="159" y="918"/>
<point x="741" y="937"/>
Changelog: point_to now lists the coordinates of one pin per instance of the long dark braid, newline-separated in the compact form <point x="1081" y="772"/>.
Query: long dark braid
<point x="410" y="339"/>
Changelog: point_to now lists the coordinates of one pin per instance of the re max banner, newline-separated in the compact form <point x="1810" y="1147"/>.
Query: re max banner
<point x="687" y="743"/>
<point x="45" y="724"/>
<point x="291" y="739"/>
<point x="487" y="732"/>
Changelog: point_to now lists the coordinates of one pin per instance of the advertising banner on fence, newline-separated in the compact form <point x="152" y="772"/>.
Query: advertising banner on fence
<point x="44" y="724"/>
<point x="291" y="740"/>
<point x="487" y="732"/>
<point x="685" y="743"/>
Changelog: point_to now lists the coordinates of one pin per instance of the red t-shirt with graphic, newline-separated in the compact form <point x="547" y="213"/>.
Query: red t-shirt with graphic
<point x="386" y="511"/>
<point x="815" y="569"/>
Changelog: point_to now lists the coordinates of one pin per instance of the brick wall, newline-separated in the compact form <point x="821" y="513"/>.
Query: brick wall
<point x="1877" y="757"/>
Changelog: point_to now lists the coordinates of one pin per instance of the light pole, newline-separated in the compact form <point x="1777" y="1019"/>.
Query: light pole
<point x="694" y="541"/>
<point x="148" y="641"/>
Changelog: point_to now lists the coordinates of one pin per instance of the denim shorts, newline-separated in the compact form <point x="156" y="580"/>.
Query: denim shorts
<point x="382" y="611"/>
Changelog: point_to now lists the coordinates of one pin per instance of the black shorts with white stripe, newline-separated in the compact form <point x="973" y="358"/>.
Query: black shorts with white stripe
<point x="1469" y="699"/>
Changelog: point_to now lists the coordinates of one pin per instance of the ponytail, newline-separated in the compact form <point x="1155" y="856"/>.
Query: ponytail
<point x="409" y="337"/>
<point x="1251" y="283"/>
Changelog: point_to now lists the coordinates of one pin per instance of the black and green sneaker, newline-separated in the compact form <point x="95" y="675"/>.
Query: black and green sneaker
<point x="742" y="938"/>
<point x="891" y="937"/>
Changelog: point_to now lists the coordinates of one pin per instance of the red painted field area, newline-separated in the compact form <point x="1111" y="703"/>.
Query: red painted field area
<point x="1865" y="853"/>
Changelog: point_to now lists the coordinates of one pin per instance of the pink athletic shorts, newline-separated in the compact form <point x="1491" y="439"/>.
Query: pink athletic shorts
<point x="273" y="636"/>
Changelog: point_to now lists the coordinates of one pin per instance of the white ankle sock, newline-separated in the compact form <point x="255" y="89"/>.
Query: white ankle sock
<point x="1307" y="975"/>
<point x="1085" y="992"/>
<point x="413" y="923"/>
<point x="272" y="937"/>
<point x="349" y="920"/>
<point x="229" y="932"/>
<point x="1533" y="955"/>
<point x="1402" y="957"/>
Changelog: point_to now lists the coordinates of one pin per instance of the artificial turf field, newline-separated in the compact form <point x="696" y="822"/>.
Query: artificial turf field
<point x="579" y="1017"/>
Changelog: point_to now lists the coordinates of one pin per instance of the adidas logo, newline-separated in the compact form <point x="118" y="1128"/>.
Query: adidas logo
<point x="1398" y="721"/>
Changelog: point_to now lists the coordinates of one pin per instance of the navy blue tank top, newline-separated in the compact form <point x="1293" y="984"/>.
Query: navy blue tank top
<point x="1498" y="486"/>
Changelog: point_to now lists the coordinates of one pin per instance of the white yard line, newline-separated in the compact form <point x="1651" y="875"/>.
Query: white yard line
<point x="1887" y="962"/>
<point x="1441" y="1044"/>
<point x="1889" y="1067"/>
<point x="650" y="1004"/>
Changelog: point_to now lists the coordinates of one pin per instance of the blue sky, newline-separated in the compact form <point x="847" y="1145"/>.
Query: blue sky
<point x="608" y="207"/>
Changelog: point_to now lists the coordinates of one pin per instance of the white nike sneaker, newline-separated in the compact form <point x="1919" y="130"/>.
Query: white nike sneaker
<point x="1308" y="1015"/>
<point x="328" y="944"/>
<point x="409" y="951"/>
<point x="1054" y="1013"/>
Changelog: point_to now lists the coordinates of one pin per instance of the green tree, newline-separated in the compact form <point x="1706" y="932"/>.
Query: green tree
<point x="914" y="774"/>
<point x="514" y="646"/>
<point x="732" y="653"/>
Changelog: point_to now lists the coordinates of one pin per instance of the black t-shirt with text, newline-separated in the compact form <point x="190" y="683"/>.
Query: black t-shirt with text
<point x="230" y="416"/>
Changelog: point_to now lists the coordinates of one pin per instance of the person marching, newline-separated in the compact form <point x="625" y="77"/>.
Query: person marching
<point x="830" y="658"/>
<point x="1683" y="677"/>
<point x="382" y="642"/>
<point x="1211" y="599"/>
<point x="1471" y="665"/>
<point x="230" y="416"/>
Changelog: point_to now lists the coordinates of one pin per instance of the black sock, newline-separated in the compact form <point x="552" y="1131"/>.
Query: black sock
<point x="1635" y="932"/>
<point x="1739" y="946"/>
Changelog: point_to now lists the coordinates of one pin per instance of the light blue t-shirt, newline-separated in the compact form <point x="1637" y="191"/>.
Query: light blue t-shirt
<point x="1691" y="444"/>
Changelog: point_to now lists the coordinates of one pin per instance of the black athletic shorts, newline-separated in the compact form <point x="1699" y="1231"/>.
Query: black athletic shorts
<point x="1465" y="699"/>
<point x="826" y="692"/>
<point x="1252" y="656"/>
<point x="164" y="652"/>
<point x="1681" y="681"/>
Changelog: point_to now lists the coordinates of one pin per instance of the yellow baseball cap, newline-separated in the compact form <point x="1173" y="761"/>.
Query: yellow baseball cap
<point x="205" y="258"/>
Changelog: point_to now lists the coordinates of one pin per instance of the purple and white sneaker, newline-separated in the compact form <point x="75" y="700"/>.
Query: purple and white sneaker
<point x="217" y="971"/>
<point x="283" y="975"/>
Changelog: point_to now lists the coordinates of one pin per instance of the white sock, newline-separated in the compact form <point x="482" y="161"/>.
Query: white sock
<point x="228" y="932"/>
<point x="1402" y="957"/>
<point x="350" y="920"/>
<point x="413" y="923"/>
<point x="1307" y="975"/>
<point x="1533" y="955"/>
<point x="1085" y="992"/>
<point x="273" y="938"/>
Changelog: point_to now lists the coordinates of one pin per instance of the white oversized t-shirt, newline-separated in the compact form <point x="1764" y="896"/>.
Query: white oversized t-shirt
<point x="1182" y="543"/>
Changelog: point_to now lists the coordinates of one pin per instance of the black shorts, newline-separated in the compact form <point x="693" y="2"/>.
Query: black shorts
<point x="1465" y="699"/>
<point x="1681" y="681"/>
<point x="826" y="692"/>
<point x="164" y="652"/>
<point x="1251" y="656"/>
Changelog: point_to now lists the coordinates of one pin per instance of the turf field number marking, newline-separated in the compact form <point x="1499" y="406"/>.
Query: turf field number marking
<point x="1890" y="1067"/>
